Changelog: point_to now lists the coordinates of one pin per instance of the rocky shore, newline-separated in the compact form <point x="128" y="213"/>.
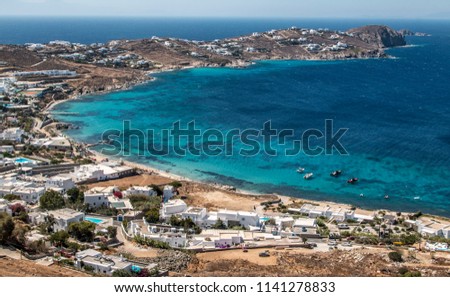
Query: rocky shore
<point x="121" y="64"/>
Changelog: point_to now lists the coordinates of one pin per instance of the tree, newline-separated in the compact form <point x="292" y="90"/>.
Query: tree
<point x="6" y="227"/>
<point x="219" y="225"/>
<point x="152" y="216"/>
<point x="174" y="221"/>
<point x="11" y="197"/>
<point x="176" y="184"/>
<point x="83" y="231"/>
<point x="52" y="200"/>
<point x="75" y="195"/>
<point x="59" y="238"/>
<point x="395" y="256"/>
<point x="157" y="189"/>
<point x="122" y="273"/>
<point x="112" y="231"/>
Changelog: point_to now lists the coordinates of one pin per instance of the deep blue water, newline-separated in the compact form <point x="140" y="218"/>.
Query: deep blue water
<point x="396" y="110"/>
<point x="19" y="30"/>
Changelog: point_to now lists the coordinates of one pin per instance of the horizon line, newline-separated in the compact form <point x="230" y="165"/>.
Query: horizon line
<point x="229" y="17"/>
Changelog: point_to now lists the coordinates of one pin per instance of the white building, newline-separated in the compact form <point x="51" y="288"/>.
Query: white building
<point x="136" y="190"/>
<point x="101" y="264"/>
<point x="196" y="214"/>
<point x="242" y="218"/>
<point x="100" y="196"/>
<point x="337" y="214"/>
<point x="99" y="172"/>
<point x="12" y="134"/>
<point x="64" y="217"/>
<point x="305" y="223"/>
<point x="173" y="207"/>
<point x="143" y="229"/>
<point x="168" y="192"/>
<point x="64" y="182"/>
<point x="30" y="195"/>
<point x="4" y="206"/>
<point x="6" y="149"/>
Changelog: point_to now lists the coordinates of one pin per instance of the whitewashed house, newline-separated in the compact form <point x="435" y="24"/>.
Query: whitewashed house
<point x="30" y="195"/>
<point x="196" y="214"/>
<point x="95" y="198"/>
<point x="63" y="182"/>
<point x="173" y="207"/>
<point x="242" y="218"/>
<point x="64" y="217"/>
<point x="101" y="264"/>
<point x="12" y="134"/>
<point x="168" y="192"/>
<point x="136" y="190"/>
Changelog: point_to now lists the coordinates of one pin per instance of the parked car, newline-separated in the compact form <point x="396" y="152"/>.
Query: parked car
<point x="347" y="243"/>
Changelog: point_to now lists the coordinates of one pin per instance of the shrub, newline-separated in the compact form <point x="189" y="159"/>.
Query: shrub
<point x="395" y="256"/>
<point x="413" y="274"/>
<point x="51" y="200"/>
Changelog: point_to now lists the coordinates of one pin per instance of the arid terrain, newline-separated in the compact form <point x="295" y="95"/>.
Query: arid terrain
<point x="366" y="262"/>
<point x="14" y="268"/>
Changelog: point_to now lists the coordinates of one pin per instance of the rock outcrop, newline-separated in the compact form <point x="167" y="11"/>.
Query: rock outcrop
<point x="383" y="36"/>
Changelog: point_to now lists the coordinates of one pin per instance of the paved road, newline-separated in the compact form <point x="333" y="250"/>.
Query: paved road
<point x="4" y="251"/>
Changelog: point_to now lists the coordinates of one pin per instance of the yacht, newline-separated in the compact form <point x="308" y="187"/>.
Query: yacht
<point x="308" y="175"/>
<point x="336" y="173"/>
<point x="352" y="180"/>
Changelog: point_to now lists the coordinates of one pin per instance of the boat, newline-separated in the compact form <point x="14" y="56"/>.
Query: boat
<point x="336" y="173"/>
<point x="352" y="180"/>
<point x="417" y="198"/>
<point x="300" y="170"/>
<point x="308" y="175"/>
<point x="386" y="196"/>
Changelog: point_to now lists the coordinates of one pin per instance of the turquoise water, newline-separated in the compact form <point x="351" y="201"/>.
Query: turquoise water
<point x="93" y="220"/>
<point x="396" y="112"/>
<point x="22" y="160"/>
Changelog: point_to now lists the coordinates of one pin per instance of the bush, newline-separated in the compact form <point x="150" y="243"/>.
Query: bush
<point x="59" y="238"/>
<point x="152" y="243"/>
<point x="176" y="184"/>
<point x="52" y="200"/>
<point x="395" y="256"/>
<point x="413" y="274"/>
<point x="152" y="216"/>
<point x="83" y="231"/>
<point x="122" y="273"/>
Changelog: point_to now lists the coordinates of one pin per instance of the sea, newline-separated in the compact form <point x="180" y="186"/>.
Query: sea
<point x="395" y="111"/>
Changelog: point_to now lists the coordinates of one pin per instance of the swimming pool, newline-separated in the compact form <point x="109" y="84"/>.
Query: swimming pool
<point x="22" y="160"/>
<point x="94" y="220"/>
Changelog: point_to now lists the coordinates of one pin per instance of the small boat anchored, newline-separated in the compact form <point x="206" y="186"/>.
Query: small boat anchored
<point x="353" y="180"/>
<point x="300" y="170"/>
<point x="336" y="173"/>
<point x="308" y="175"/>
<point x="386" y="196"/>
<point x="417" y="198"/>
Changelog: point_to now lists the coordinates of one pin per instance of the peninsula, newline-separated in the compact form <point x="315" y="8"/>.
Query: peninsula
<point x="119" y="64"/>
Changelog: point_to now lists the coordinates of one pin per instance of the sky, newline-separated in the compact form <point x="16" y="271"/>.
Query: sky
<point x="405" y="9"/>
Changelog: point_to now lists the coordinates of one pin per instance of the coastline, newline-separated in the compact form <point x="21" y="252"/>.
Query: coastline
<point x="249" y="194"/>
<point x="152" y="170"/>
<point x="163" y="173"/>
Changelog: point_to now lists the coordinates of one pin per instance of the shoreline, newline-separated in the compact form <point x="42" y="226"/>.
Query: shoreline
<point x="163" y="173"/>
<point x="250" y="194"/>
